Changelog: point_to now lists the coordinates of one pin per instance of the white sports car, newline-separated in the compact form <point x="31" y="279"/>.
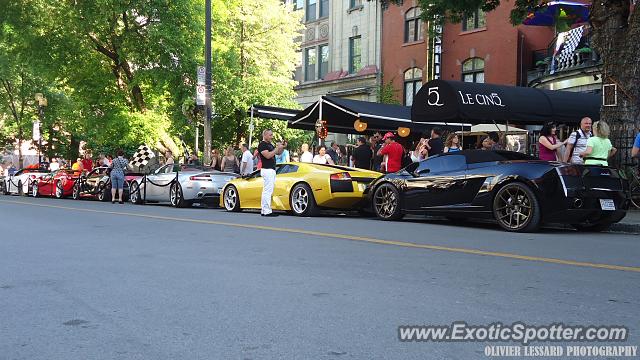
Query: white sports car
<point x="20" y="183"/>
<point x="194" y="184"/>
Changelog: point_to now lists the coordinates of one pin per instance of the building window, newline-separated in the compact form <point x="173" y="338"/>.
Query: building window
<point x="311" y="10"/>
<point x="313" y="65"/>
<point x="354" y="4"/>
<point x="324" y="8"/>
<point x="323" y="50"/>
<point x="355" y="55"/>
<point x="412" y="25"/>
<point x="412" y="83"/>
<point x="298" y="4"/>
<point x="473" y="70"/>
<point x="310" y="62"/>
<point x="477" y="20"/>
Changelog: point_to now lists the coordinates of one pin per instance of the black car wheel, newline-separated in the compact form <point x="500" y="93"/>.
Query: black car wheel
<point x="76" y="191"/>
<point x="103" y="193"/>
<point x="34" y="190"/>
<point x="59" y="190"/>
<point x="516" y="208"/>
<point x="176" y="197"/>
<point x="231" y="199"/>
<point x="302" y="201"/>
<point x="134" y="193"/>
<point x="386" y="202"/>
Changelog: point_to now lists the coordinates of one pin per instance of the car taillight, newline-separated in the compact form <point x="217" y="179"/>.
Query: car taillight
<point x="200" y="178"/>
<point x="569" y="171"/>
<point x="341" y="176"/>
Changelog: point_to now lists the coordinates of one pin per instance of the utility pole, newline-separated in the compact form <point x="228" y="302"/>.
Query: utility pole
<point x="208" y="85"/>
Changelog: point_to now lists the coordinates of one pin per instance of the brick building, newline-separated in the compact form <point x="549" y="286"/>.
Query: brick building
<point x="486" y="47"/>
<point x="404" y="50"/>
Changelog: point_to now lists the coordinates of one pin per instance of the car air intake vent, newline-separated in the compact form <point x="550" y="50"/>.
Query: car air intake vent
<point x="364" y="180"/>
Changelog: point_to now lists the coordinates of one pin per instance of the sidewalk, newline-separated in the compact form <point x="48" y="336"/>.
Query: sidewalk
<point x="630" y="223"/>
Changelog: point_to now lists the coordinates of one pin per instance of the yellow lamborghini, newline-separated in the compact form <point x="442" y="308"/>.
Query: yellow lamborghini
<point x="301" y="188"/>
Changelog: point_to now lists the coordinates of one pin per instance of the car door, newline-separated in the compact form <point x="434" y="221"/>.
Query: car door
<point x="91" y="182"/>
<point x="436" y="182"/>
<point x="251" y="191"/>
<point x="44" y="184"/>
<point x="156" y="191"/>
<point x="286" y="176"/>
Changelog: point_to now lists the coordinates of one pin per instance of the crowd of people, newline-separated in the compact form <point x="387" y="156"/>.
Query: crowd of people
<point x="589" y="144"/>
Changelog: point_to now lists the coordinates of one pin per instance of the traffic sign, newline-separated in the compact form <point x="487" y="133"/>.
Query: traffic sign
<point x="202" y="74"/>
<point x="201" y="95"/>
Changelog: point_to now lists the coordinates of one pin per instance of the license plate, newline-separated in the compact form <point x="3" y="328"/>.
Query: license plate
<point x="607" y="204"/>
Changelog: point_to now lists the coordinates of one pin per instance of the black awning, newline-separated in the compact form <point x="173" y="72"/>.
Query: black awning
<point x="272" y="112"/>
<point x="340" y="115"/>
<point x="440" y="100"/>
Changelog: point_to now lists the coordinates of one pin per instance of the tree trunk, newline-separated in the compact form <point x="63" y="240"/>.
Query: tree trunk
<point x="615" y="38"/>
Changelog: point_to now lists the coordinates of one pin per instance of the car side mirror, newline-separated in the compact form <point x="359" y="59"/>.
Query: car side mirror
<point x="421" y="172"/>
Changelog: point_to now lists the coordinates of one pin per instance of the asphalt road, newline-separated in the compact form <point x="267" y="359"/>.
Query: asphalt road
<point x="89" y="280"/>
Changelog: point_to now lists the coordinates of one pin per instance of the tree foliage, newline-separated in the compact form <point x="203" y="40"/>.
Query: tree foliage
<point x="118" y="74"/>
<point x="254" y="56"/>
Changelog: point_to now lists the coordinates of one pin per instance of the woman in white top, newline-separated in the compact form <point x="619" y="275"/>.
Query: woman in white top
<point x="306" y="156"/>
<point x="322" y="157"/>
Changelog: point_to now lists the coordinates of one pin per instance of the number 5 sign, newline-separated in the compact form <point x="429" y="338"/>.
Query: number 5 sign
<point x="434" y="91"/>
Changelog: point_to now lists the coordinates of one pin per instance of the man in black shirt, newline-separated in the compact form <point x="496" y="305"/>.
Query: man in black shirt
<point x="436" y="146"/>
<point x="376" y="145"/>
<point x="268" y="153"/>
<point x="362" y="154"/>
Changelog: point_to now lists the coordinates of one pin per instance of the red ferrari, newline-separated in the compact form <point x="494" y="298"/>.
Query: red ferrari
<point x="58" y="183"/>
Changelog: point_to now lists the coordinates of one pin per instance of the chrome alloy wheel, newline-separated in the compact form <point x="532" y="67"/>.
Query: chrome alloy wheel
<point x="513" y="209"/>
<point x="385" y="202"/>
<point x="300" y="200"/>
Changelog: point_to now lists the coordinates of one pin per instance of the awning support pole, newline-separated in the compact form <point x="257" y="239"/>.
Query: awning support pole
<point x="319" y="119"/>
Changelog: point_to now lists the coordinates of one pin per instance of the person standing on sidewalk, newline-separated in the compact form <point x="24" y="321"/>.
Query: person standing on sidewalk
<point x="577" y="142"/>
<point x="267" y="154"/>
<point x="118" y="168"/>
<point x="394" y="152"/>
<point x="599" y="148"/>
<point x="246" y="164"/>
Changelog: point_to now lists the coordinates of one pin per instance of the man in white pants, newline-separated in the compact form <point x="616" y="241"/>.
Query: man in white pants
<point x="268" y="171"/>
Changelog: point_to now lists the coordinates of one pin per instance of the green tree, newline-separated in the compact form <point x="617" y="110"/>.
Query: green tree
<point x="123" y="69"/>
<point x="254" y="54"/>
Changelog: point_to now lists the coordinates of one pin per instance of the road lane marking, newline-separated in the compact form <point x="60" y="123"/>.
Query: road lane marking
<point x="349" y="237"/>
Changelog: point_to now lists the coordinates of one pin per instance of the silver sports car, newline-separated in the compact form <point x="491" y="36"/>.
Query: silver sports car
<point x="180" y="185"/>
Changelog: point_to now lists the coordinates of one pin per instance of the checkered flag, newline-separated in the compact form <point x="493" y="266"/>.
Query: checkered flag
<point x="142" y="156"/>
<point x="563" y="55"/>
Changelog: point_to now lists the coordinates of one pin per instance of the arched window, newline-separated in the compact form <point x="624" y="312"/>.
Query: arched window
<point x="413" y="25"/>
<point x="412" y="83"/>
<point x="473" y="70"/>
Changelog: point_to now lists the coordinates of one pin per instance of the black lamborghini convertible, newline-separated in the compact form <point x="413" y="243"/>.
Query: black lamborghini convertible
<point x="518" y="191"/>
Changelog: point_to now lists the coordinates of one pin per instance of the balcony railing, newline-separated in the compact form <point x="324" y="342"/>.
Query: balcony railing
<point x="544" y="64"/>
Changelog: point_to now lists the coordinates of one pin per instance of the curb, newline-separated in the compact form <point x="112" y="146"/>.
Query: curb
<point x="625" y="228"/>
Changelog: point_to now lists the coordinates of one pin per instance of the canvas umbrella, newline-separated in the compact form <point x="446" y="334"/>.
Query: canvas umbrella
<point x="548" y="14"/>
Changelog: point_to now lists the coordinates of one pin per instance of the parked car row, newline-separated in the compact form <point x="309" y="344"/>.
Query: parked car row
<point x="517" y="191"/>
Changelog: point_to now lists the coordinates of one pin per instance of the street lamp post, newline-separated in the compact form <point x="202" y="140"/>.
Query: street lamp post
<point x="42" y="103"/>
<point x="207" y="56"/>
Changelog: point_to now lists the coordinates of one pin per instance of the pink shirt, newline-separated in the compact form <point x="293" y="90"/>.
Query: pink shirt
<point x="546" y="154"/>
